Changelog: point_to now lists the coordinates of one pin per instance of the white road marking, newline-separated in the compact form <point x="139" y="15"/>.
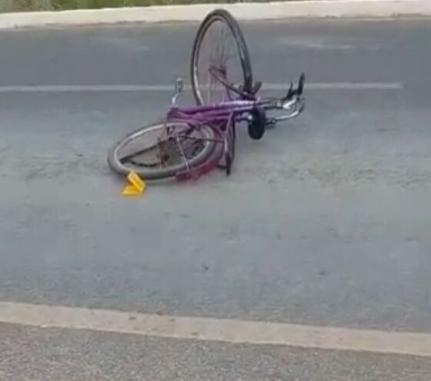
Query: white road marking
<point x="162" y="88"/>
<point x="224" y="330"/>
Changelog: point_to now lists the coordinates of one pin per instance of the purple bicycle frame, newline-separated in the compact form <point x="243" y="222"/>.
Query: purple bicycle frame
<point x="221" y="119"/>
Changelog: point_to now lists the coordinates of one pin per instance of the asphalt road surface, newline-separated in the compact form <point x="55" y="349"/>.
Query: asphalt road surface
<point x="325" y="221"/>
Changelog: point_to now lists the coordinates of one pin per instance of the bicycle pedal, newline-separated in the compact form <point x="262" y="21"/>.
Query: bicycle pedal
<point x="135" y="187"/>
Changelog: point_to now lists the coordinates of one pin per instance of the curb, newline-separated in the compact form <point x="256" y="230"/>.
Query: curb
<point x="242" y="11"/>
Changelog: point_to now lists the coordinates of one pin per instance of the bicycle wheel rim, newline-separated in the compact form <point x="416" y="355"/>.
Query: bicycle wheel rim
<point x="238" y="71"/>
<point x="122" y="159"/>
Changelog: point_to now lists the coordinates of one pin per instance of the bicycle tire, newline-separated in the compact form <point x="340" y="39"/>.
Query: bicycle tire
<point x="226" y="17"/>
<point x="114" y="161"/>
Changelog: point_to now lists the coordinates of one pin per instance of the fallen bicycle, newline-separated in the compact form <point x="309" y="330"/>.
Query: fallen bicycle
<point x="191" y="141"/>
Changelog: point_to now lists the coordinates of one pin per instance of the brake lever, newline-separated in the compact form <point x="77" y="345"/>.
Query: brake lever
<point x="301" y="83"/>
<point x="295" y="92"/>
<point x="290" y="92"/>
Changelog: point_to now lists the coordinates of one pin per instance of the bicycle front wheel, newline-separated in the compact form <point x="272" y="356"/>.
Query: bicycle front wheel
<point x="162" y="150"/>
<point x="219" y="47"/>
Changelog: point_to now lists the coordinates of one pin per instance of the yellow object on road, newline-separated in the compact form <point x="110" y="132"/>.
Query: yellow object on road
<point x="135" y="187"/>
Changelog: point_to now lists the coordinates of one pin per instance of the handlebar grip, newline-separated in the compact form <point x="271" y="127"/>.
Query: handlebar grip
<point x="301" y="83"/>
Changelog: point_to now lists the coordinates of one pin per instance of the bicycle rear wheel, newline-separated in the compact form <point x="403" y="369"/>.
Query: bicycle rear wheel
<point x="162" y="150"/>
<point x="220" y="46"/>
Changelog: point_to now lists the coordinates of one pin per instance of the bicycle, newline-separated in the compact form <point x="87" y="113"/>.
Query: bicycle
<point x="191" y="141"/>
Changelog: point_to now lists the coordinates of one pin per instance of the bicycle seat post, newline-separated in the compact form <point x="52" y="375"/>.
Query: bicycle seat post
<point x="179" y="87"/>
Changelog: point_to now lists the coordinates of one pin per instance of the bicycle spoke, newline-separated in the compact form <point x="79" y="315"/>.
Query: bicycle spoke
<point x="200" y="139"/>
<point x="219" y="51"/>
<point x="183" y="153"/>
<point x="134" y="154"/>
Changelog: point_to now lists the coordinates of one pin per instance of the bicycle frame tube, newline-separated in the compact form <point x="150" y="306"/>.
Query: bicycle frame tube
<point x="212" y="113"/>
<point x="229" y="87"/>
